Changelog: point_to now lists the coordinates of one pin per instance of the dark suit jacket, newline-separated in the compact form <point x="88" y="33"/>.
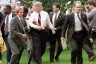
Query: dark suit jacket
<point x="16" y="31"/>
<point x="70" y="25"/>
<point x="60" y="20"/>
<point x="3" y="23"/>
<point x="1" y="18"/>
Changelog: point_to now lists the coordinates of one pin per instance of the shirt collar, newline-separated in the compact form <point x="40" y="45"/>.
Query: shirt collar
<point x="10" y="14"/>
<point x="76" y="14"/>
<point x="19" y="17"/>
<point x="39" y="12"/>
<point x="57" y="12"/>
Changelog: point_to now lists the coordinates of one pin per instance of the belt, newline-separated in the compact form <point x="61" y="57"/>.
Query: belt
<point x="78" y="32"/>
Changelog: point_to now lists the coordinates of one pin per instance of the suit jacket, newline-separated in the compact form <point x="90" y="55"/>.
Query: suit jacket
<point x="92" y="18"/>
<point x="1" y="18"/>
<point x="16" y="31"/>
<point x="59" y="21"/>
<point x="70" y="25"/>
<point x="3" y="24"/>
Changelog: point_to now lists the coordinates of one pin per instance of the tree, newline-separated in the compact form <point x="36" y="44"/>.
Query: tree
<point x="47" y="4"/>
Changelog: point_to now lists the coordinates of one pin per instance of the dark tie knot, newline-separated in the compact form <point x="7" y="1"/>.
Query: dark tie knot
<point x="77" y="14"/>
<point x="39" y="16"/>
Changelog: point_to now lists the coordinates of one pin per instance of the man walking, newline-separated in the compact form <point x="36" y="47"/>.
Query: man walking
<point x="77" y="33"/>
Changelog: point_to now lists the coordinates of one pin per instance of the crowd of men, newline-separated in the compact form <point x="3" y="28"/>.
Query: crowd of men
<point x="22" y="29"/>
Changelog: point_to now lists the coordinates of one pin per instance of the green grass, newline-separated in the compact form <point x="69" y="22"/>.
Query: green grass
<point x="64" y="58"/>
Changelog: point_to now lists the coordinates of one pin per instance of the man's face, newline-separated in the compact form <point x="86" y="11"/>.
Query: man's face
<point x="78" y="8"/>
<point x="21" y="13"/>
<point x="6" y="10"/>
<point x="37" y="8"/>
<point x="90" y="7"/>
<point x="55" y="9"/>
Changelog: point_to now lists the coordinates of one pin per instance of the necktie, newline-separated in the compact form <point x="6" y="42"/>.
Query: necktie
<point x="55" y="19"/>
<point x="39" y="19"/>
<point x="22" y="24"/>
<point x="83" y="23"/>
<point x="6" y="25"/>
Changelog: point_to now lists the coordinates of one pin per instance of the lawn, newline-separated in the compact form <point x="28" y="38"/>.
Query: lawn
<point x="64" y="58"/>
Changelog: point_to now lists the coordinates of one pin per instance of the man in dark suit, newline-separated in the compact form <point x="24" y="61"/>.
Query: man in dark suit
<point x="57" y="19"/>
<point x="1" y="17"/>
<point x="17" y="36"/>
<point x="7" y="16"/>
<point x="77" y="33"/>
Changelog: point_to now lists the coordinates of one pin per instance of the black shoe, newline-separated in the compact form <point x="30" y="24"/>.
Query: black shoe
<point x="57" y="59"/>
<point x="92" y="58"/>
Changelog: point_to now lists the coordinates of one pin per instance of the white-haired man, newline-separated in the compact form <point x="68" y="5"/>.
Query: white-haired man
<point x="38" y="22"/>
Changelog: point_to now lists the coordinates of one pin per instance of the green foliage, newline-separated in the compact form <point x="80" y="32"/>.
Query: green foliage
<point x="47" y="4"/>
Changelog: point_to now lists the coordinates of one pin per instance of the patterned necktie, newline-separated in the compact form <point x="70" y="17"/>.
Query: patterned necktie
<point x="83" y="23"/>
<point x="22" y="24"/>
<point x="6" y="25"/>
<point x="39" y="19"/>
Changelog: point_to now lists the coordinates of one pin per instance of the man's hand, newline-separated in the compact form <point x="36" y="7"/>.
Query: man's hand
<point x="40" y="28"/>
<point x="62" y="39"/>
<point x="53" y="31"/>
<point x="63" y="42"/>
<point x="91" y="40"/>
<point x="25" y="37"/>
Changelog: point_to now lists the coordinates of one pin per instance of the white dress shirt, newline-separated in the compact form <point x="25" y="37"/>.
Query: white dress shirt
<point x="78" y="26"/>
<point x="45" y="20"/>
<point x="9" y="20"/>
<point x="53" y="18"/>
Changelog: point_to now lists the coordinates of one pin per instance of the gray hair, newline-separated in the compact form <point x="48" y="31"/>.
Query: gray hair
<point x="37" y="3"/>
<point x="77" y="2"/>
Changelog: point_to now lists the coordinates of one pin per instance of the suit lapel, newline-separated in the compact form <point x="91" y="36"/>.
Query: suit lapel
<point x="82" y="16"/>
<point x="20" y="24"/>
<point x="58" y="19"/>
<point x="13" y="15"/>
<point x="73" y="19"/>
<point x="51" y="16"/>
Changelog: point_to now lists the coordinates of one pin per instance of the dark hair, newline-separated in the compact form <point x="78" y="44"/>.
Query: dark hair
<point x="91" y="2"/>
<point x="8" y="6"/>
<point x="57" y="5"/>
<point x="25" y="9"/>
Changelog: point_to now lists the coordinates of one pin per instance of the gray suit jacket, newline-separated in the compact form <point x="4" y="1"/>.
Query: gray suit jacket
<point x="92" y="18"/>
<point x="16" y="31"/>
